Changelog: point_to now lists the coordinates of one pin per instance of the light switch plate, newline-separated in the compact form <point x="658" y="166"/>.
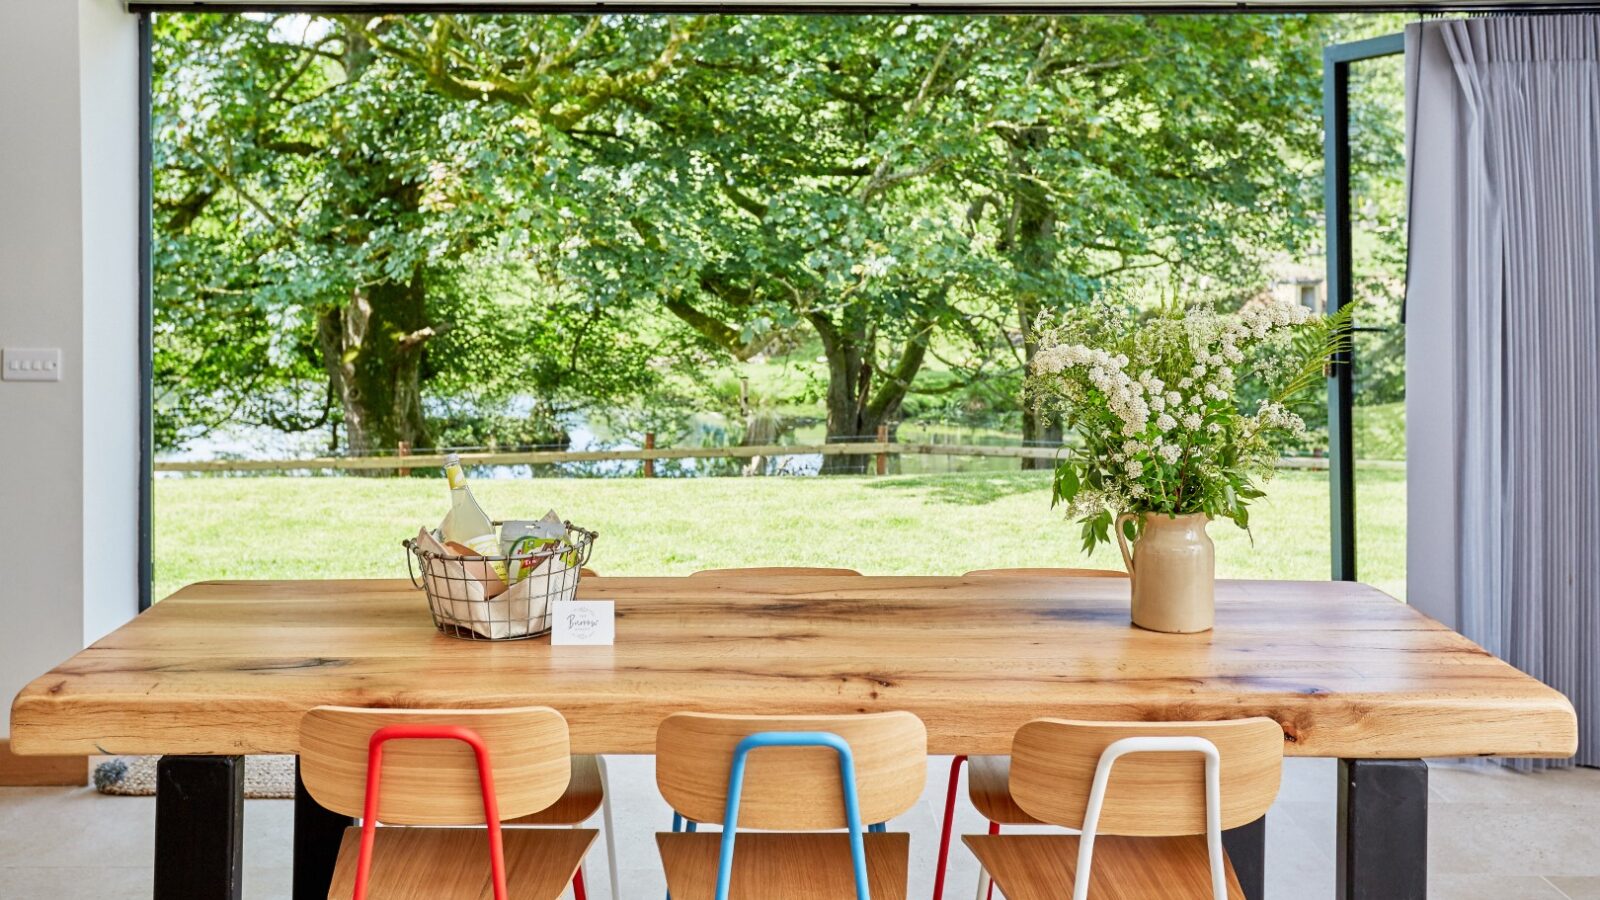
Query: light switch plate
<point x="30" y="365"/>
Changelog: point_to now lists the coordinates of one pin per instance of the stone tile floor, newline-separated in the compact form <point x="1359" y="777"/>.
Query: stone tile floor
<point x="1494" y="834"/>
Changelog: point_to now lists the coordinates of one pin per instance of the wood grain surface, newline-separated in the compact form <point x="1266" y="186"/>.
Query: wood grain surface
<point x="791" y="788"/>
<point x="453" y="863"/>
<point x="230" y="667"/>
<point x="795" y="866"/>
<point x="435" y="782"/>
<point x="1053" y="766"/>
<point x="1042" y="866"/>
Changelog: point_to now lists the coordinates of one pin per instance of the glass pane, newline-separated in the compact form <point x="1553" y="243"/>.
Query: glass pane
<point x="1378" y="230"/>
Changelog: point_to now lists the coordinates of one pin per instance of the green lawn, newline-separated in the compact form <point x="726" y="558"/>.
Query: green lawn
<point x="1380" y="431"/>
<point x="292" y="527"/>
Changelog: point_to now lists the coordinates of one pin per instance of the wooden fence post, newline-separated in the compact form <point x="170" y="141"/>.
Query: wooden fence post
<point x="404" y="451"/>
<point x="883" y="458"/>
<point x="649" y="464"/>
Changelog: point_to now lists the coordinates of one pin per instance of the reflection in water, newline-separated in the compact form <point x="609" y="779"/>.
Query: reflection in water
<point x="704" y="431"/>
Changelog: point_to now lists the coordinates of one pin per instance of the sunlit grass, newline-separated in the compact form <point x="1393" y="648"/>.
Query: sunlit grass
<point x="213" y="528"/>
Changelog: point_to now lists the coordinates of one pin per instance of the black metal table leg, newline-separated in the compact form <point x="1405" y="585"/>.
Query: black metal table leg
<point x="1247" y="850"/>
<point x="199" y="828"/>
<point x="1383" y="829"/>
<point x="317" y="832"/>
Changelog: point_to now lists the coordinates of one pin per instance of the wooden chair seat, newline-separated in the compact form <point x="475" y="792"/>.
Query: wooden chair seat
<point x="989" y="786"/>
<point x="1042" y="866"/>
<point x="578" y="804"/>
<point x="805" y="866"/>
<point x="417" y="863"/>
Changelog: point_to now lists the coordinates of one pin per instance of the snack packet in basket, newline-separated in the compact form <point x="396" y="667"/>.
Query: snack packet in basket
<point x="478" y="570"/>
<point x="459" y="598"/>
<point x="485" y="572"/>
<point x="445" y="576"/>
<point x="549" y="528"/>
<point x="523" y="539"/>
<point x="552" y="577"/>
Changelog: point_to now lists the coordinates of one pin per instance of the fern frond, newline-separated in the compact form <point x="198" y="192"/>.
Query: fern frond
<point x="1315" y="345"/>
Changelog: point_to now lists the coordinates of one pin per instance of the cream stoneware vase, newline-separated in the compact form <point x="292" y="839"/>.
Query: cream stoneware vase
<point x="1173" y="568"/>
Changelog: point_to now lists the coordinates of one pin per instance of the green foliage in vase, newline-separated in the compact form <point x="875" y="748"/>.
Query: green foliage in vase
<point x="1154" y="399"/>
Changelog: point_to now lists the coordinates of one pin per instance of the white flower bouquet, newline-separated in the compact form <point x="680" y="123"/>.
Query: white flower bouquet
<point x="1153" y="397"/>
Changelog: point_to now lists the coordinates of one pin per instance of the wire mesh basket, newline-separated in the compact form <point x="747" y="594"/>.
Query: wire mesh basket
<point x="499" y="598"/>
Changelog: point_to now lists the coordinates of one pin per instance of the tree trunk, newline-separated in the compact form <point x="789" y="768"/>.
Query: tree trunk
<point x="1030" y="246"/>
<point x="849" y="379"/>
<point x="1038" y="427"/>
<point x="372" y="350"/>
<point x="860" y="398"/>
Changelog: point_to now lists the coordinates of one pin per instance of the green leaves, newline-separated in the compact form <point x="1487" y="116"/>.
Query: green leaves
<point x="1065" y="485"/>
<point x="1096" y="530"/>
<point x="704" y="188"/>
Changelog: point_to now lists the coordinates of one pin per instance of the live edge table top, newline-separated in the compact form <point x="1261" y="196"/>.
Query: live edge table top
<point x="229" y="667"/>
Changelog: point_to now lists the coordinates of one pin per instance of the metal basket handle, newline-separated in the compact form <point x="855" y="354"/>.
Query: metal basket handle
<point x="411" y="567"/>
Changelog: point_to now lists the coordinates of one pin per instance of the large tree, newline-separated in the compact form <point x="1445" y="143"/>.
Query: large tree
<point x="328" y="225"/>
<point x="896" y="189"/>
<point x="1176" y="151"/>
<point x="886" y="182"/>
<point x="288" y="153"/>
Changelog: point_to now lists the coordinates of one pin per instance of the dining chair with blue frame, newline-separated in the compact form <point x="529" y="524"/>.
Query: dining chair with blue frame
<point x="797" y="779"/>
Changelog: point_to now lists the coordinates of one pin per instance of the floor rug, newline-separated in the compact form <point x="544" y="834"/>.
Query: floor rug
<point x="265" y="777"/>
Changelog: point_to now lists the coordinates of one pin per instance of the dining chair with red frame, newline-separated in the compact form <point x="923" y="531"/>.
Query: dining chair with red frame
<point x="428" y="772"/>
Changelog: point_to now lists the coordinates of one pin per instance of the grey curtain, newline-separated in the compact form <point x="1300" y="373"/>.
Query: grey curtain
<point x="1504" y="140"/>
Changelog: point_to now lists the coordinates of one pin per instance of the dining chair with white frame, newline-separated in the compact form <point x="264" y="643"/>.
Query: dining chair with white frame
<point x="1149" y="799"/>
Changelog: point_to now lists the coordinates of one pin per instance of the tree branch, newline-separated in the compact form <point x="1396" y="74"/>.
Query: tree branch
<point x="713" y="329"/>
<point x="744" y="201"/>
<point x="892" y="389"/>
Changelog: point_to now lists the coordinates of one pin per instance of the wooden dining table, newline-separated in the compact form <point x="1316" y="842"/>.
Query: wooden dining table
<point x="224" y="669"/>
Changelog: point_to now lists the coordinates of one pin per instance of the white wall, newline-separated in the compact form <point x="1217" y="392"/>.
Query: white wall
<point x="108" y="68"/>
<point x="68" y="239"/>
<point x="1432" y="357"/>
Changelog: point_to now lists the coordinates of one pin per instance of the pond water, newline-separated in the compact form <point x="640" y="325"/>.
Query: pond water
<point x="588" y="434"/>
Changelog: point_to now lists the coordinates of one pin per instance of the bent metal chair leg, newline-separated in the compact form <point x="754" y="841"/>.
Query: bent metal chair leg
<point x="847" y="778"/>
<point x="948" y="827"/>
<point x="491" y="814"/>
<point x="611" y="828"/>
<point x="985" y="884"/>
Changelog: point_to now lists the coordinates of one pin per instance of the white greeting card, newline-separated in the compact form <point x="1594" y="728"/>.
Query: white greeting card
<point x="583" y="623"/>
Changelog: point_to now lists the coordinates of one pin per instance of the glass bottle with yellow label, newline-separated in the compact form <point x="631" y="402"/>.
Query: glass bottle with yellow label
<point x="466" y="523"/>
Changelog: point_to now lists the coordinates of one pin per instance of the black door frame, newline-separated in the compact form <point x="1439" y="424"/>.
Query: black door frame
<point x="147" y="446"/>
<point x="1336" y="61"/>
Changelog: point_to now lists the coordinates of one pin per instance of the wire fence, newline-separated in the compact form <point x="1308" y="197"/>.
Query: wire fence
<point x="870" y="455"/>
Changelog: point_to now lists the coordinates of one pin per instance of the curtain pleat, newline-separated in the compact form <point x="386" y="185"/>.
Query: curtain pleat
<point x="1527" y="103"/>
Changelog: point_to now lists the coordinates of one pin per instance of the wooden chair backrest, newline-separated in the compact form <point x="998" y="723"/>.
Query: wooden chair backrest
<point x="1150" y="794"/>
<point x="435" y="782"/>
<point x="776" y="570"/>
<point x="791" y="788"/>
<point x="1058" y="573"/>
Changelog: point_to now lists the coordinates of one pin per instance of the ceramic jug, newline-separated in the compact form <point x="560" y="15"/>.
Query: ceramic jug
<point x="1173" y="568"/>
